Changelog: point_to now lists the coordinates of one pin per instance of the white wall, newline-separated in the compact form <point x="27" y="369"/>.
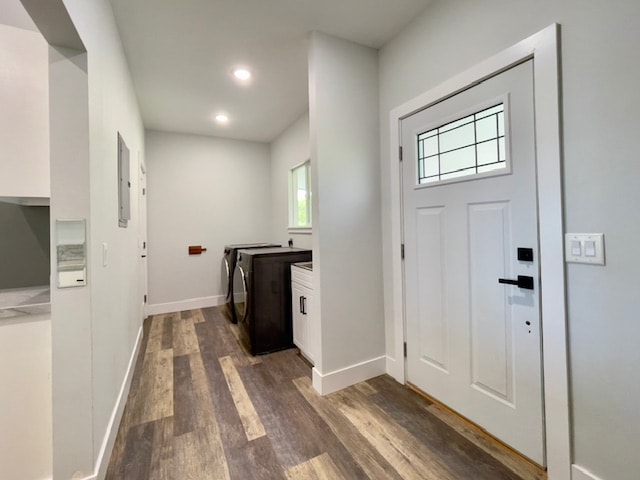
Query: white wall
<point x="288" y="150"/>
<point x="116" y="296"/>
<point x="343" y="109"/>
<point x="202" y="191"/>
<point x="94" y="328"/>
<point x="600" y="74"/>
<point x="24" y="113"/>
<point x="70" y="308"/>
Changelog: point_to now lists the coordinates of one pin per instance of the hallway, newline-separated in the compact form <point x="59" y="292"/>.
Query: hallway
<point x="201" y="408"/>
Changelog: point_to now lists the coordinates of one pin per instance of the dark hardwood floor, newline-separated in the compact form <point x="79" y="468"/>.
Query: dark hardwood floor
<point x="201" y="408"/>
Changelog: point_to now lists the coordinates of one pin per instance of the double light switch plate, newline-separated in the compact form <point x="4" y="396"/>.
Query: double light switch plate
<point x="584" y="248"/>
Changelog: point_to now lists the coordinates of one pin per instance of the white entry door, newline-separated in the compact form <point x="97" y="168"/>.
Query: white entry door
<point x="142" y="235"/>
<point x="471" y="222"/>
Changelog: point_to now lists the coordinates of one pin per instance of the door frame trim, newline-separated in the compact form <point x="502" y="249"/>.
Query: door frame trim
<point x="543" y="49"/>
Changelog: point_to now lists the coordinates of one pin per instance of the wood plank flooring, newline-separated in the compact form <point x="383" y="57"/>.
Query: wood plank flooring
<point x="200" y="408"/>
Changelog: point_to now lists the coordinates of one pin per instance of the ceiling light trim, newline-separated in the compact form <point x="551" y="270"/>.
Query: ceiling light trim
<point x="242" y="74"/>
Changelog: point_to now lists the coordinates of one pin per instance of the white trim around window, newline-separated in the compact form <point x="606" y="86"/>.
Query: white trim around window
<point x="300" y="217"/>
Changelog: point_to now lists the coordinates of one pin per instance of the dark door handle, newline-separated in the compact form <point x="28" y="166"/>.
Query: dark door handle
<point x="303" y="304"/>
<point x="522" y="282"/>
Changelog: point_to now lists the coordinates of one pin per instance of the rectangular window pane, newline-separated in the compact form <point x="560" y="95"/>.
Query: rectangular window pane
<point x="458" y="160"/>
<point x="300" y="196"/>
<point x="428" y="134"/>
<point x="430" y="179"/>
<point x="432" y="166"/>
<point x="457" y="123"/>
<point x="490" y="111"/>
<point x="431" y="146"/>
<point x="486" y="129"/>
<point x="448" y="176"/>
<point x="470" y="145"/>
<point x="490" y="168"/>
<point x="487" y="152"/>
<point x="457" y="138"/>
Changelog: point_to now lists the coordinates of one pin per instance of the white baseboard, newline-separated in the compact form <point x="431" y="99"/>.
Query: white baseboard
<point x="102" y="462"/>
<point x="182" y="305"/>
<point x="580" y="473"/>
<point x="345" y="377"/>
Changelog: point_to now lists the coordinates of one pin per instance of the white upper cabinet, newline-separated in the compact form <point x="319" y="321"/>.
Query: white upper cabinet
<point x="24" y="115"/>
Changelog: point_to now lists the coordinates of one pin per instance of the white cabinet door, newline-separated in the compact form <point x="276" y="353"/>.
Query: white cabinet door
<point x="305" y="334"/>
<point x="24" y="114"/>
<point x="299" y="326"/>
<point x="312" y="336"/>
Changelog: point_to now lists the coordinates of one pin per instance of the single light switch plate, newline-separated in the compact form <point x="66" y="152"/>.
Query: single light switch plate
<point x="584" y="248"/>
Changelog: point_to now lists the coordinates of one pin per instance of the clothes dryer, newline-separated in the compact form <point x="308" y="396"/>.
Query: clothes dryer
<point x="263" y="307"/>
<point x="229" y="265"/>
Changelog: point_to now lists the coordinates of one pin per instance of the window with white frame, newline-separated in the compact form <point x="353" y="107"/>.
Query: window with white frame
<point x="300" y="196"/>
<point x="471" y="145"/>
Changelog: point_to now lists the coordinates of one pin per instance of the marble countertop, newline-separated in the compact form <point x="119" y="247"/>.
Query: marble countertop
<point x="305" y="265"/>
<point x="16" y="302"/>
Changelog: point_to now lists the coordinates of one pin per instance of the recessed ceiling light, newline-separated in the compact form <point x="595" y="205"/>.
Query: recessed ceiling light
<point x="222" y="118"/>
<point x="242" y="74"/>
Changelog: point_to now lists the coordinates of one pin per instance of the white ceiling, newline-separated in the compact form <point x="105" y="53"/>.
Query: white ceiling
<point x="13" y="13"/>
<point x="181" y="55"/>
